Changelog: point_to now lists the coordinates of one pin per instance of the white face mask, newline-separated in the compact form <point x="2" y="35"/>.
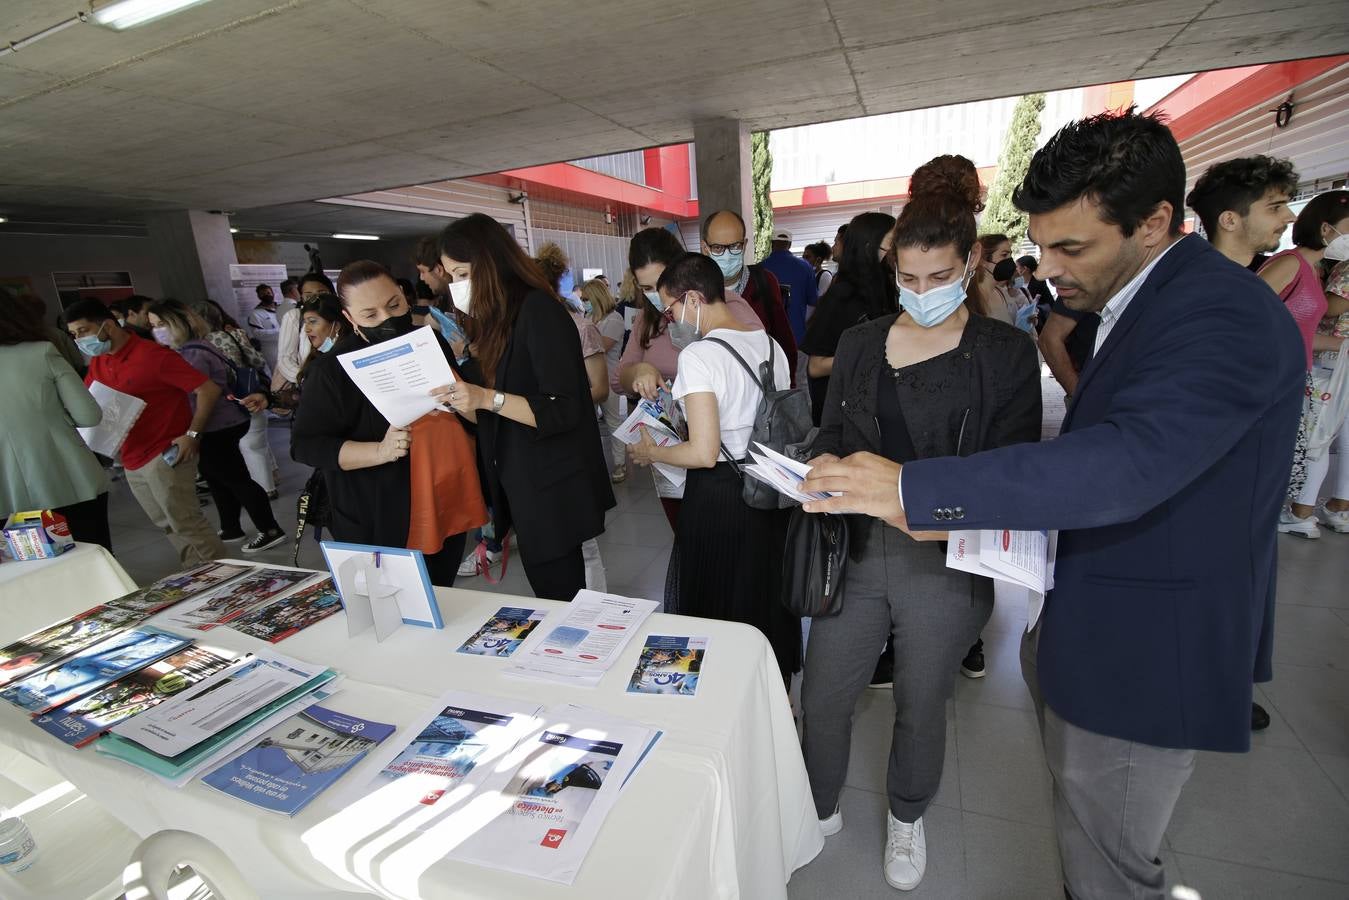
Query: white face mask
<point x="461" y="295"/>
<point x="1338" y="248"/>
<point x="683" y="333"/>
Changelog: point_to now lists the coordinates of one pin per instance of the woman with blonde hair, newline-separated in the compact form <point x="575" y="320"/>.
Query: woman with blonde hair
<point x="601" y="310"/>
<point x="222" y="463"/>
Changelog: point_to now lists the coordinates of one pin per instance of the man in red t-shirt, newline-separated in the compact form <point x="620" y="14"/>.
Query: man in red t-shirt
<point x="163" y="379"/>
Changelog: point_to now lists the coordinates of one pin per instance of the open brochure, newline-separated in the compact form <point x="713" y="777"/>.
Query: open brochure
<point x="578" y="643"/>
<point x="1022" y="558"/>
<point x="663" y="420"/>
<point x="782" y="473"/>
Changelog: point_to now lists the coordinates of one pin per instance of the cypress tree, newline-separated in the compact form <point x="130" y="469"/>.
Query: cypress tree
<point x="1018" y="146"/>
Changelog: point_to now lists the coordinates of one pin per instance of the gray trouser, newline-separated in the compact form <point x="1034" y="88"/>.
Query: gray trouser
<point x="900" y="587"/>
<point x="169" y="497"/>
<point x="1113" y="800"/>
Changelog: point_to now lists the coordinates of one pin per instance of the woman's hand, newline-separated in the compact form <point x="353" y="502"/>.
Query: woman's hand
<point x="255" y="403"/>
<point x="642" y="450"/>
<point x="395" y="445"/>
<point x="647" y="382"/>
<point x="463" y="397"/>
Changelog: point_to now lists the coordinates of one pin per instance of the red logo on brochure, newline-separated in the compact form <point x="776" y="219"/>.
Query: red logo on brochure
<point x="550" y="650"/>
<point x="588" y="656"/>
<point x="553" y="839"/>
<point x="613" y="627"/>
<point x="1006" y="540"/>
<point x="431" y="797"/>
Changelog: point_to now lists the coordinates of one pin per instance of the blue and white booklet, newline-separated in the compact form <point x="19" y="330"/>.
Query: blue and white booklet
<point x="298" y="759"/>
<point x="669" y="664"/>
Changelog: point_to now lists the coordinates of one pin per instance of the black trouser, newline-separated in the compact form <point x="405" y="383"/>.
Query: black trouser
<point x="443" y="565"/>
<point x="232" y="488"/>
<point x="558" y="578"/>
<point x="88" y="521"/>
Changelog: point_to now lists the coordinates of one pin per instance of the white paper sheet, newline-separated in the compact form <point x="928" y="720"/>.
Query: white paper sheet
<point x="1022" y="558"/>
<point x="662" y="419"/>
<point x="782" y="473"/>
<point x="578" y="644"/>
<point x="120" y="412"/>
<point x="397" y="375"/>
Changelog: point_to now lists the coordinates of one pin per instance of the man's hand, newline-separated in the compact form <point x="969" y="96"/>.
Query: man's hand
<point x="189" y="448"/>
<point x="869" y="484"/>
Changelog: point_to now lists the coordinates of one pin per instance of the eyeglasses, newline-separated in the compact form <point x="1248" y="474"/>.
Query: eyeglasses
<point x="736" y="249"/>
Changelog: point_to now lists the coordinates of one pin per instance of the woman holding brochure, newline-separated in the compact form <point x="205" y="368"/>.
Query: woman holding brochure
<point x="414" y="487"/>
<point x="540" y="443"/>
<point x="935" y="379"/>
<point x="727" y="558"/>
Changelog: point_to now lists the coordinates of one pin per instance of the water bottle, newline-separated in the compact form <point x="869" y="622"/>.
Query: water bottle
<point x="18" y="850"/>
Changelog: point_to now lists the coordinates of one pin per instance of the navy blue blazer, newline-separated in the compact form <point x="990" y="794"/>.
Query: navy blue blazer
<point x="1166" y="484"/>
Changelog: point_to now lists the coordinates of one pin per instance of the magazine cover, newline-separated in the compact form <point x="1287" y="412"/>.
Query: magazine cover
<point x="175" y="588"/>
<point x="669" y="664"/>
<point x="93" y="668"/>
<point x="297" y="759"/>
<point x="54" y="643"/>
<point x="503" y="634"/>
<point x="80" y="723"/>
<point x="232" y="601"/>
<point x="290" y="615"/>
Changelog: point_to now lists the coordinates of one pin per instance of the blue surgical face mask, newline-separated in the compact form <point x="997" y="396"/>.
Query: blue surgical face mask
<point x="92" y="345"/>
<point x="654" y="298"/>
<point x="326" y="345"/>
<point x="934" y="306"/>
<point x="730" y="263"/>
<point x="588" y="306"/>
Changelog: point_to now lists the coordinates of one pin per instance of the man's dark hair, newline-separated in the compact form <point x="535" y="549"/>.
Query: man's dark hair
<point x="1028" y="262"/>
<point x="693" y="272"/>
<point x="707" y="222"/>
<point x="820" y="250"/>
<point x="87" y="310"/>
<point x="263" y="287"/>
<point x="135" y="303"/>
<point x="1323" y="209"/>
<point x="320" y="278"/>
<point x="288" y="284"/>
<point x="1237" y="183"/>
<point x="1125" y="162"/>
<point x="427" y="252"/>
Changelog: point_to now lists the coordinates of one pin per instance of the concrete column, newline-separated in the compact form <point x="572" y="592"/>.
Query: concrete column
<point x="722" y="156"/>
<point x="193" y="251"/>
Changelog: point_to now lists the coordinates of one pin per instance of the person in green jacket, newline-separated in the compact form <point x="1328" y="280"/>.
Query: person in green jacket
<point x="44" y="463"/>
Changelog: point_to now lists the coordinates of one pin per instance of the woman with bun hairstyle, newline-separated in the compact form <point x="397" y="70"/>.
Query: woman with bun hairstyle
<point x="935" y="379"/>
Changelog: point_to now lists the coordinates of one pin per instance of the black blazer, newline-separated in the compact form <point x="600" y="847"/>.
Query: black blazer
<point x="994" y="404"/>
<point x="1167" y="483"/>
<point x="549" y="482"/>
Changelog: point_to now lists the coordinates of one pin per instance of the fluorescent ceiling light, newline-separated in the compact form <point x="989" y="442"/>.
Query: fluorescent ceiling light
<point x="3" y="220"/>
<point x="234" y="231"/>
<point x="356" y="237"/>
<point x="123" y="14"/>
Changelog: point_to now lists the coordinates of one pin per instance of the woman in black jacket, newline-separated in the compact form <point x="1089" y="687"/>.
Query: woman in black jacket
<point x="934" y="380"/>
<point x="538" y="439"/>
<point x="863" y="289"/>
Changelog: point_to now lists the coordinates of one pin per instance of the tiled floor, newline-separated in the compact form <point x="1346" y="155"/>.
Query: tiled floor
<point x="1272" y="823"/>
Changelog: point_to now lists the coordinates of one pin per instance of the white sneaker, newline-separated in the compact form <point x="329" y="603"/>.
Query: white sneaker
<point x="1335" y="520"/>
<point x="1291" y="524"/>
<point x="832" y="825"/>
<point x="905" y="853"/>
<point x="469" y="567"/>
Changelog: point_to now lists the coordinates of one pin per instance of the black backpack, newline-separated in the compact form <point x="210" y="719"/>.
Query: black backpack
<point x="782" y="422"/>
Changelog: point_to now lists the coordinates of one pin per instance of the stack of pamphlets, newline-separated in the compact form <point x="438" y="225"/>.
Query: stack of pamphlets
<point x="669" y="664"/>
<point x="57" y="643"/>
<point x="291" y="614"/>
<point x="297" y="759"/>
<point x="193" y="729"/>
<point x="503" y="634"/>
<point x="662" y="419"/>
<point x="176" y="588"/>
<point x="92" y="668"/>
<point x="235" y="599"/>
<point x="501" y="783"/>
<point x="580" y="642"/>
<point x="82" y="722"/>
<point x="782" y="473"/>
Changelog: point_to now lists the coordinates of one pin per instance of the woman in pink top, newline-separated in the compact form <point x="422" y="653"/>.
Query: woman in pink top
<point x="649" y="361"/>
<point x="1293" y="276"/>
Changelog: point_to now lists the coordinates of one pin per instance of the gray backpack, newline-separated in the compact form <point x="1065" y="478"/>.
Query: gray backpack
<point x="782" y="422"/>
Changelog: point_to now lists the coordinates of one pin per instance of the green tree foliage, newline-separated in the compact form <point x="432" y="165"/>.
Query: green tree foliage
<point x="761" y="168"/>
<point x="1018" y="146"/>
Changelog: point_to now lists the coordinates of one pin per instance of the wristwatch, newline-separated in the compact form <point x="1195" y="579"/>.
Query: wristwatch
<point x="498" y="401"/>
<point x="195" y="435"/>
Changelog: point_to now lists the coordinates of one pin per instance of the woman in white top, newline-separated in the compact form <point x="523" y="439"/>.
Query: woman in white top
<point x="727" y="562"/>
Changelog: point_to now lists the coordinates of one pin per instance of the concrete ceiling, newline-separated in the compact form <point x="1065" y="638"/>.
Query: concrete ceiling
<point x="237" y="104"/>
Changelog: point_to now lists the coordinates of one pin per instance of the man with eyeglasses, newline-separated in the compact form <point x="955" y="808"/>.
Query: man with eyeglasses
<point x="724" y="241"/>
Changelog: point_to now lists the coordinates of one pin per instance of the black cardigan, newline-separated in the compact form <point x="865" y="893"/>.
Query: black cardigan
<point x="1001" y="395"/>
<point x="548" y="482"/>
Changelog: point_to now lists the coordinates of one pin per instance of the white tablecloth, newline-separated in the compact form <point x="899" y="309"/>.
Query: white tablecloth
<point x="38" y="592"/>
<point x="721" y="807"/>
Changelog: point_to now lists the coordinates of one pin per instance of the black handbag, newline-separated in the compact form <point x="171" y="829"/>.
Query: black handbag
<point x="815" y="554"/>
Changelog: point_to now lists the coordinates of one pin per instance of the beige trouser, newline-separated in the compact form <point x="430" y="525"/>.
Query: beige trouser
<point x="169" y="497"/>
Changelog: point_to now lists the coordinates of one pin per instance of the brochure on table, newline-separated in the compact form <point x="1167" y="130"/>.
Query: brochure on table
<point x="120" y="412"/>
<point x="503" y="634"/>
<point x="669" y="664"/>
<point x="1022" y="558"/>
<point x="291" y="614"/>
<point x="398" y="375"/>
<point x="382" y="586"/>
<point x="56" y="643"/>
<point x="782" y="473"/>
<point x="297" y="759"/>
<point x="235" y="599"/>
<point x="662" y="419"/>
<point x="578" y="643"/>
<point x="176" y="588"/>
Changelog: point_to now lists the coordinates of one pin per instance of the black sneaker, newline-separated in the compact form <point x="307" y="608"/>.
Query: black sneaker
<point x="264" y="541"/>
<point x="972" y="666"/>
<point x="1259" y="718"/>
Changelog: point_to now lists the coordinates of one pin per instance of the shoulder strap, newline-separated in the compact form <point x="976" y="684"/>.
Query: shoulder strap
<point x="199" y="344"/>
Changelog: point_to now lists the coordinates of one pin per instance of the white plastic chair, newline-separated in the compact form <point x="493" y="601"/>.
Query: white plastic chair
<point x="151" y="870"/>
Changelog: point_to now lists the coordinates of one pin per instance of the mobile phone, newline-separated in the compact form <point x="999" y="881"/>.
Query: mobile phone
<point x="171" y="455"/>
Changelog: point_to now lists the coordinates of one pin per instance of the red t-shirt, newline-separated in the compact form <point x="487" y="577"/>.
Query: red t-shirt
<point x="161" y="378"/>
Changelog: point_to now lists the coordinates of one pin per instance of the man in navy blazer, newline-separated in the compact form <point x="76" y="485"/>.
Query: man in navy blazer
<point x="1165" y="484"/>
